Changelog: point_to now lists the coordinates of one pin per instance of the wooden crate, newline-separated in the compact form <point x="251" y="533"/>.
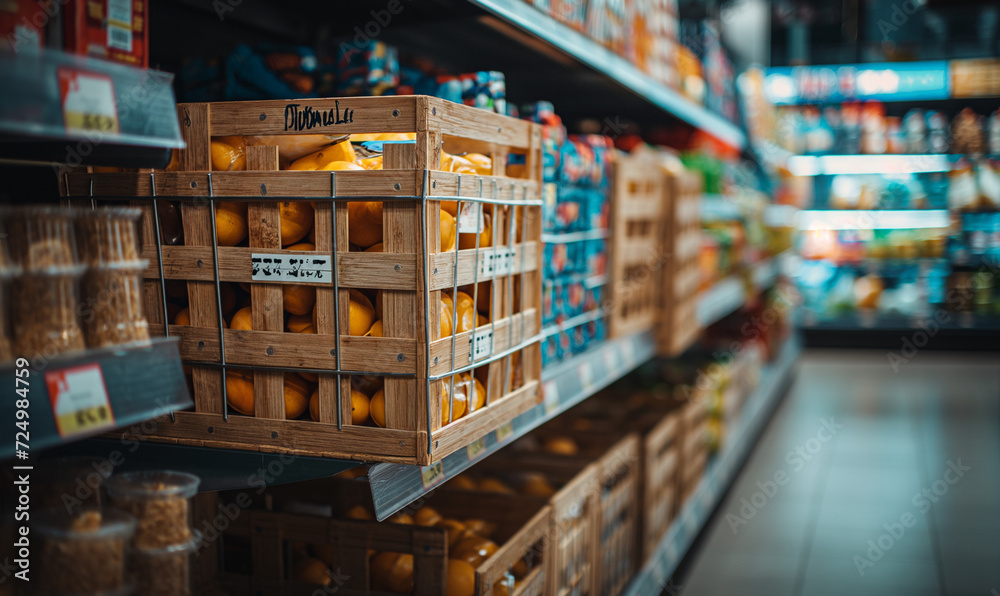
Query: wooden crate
<point x="678" y="327"/>
<point x="694" y="450"/>
<point x="638" y="255"/>
<point x="411" y="274"/>
<point x="616" y="458"/>
<point x="522" y="532"/>
<point x="573" y="532"/>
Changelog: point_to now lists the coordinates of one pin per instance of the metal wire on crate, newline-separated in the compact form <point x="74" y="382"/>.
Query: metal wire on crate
<point x="336" y="295"/>
<point x="159" y="263"/>
<point x="218" y="300"/>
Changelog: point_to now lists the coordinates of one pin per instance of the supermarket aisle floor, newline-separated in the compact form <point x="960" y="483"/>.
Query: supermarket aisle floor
<point x="890" y="484"/>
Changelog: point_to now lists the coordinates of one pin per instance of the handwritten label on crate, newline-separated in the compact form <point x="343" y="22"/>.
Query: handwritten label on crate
<point x="283" y="268"/>
<point x="471" y="218"/>
<point x="80" y="402"/>
<point x="481" y="344"/>
<point x="476" y="449"/>
<point x="88" y="101"/>
<point x="505" y="432"/>
<point x="550" y="392"/>
<point x="496" y="263"/>
<point x="432" y="475"/>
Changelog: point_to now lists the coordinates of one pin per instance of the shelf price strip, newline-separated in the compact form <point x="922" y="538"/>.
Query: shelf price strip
<point x="80" y="402"/>
<point x="432" y="475"/>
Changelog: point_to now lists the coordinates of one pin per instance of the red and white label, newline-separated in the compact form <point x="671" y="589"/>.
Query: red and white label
<point x="88" y="102"/>
<point x="80" y="402"/>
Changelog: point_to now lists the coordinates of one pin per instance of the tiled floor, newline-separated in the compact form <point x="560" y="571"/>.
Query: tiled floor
<point x="888" y="474"/>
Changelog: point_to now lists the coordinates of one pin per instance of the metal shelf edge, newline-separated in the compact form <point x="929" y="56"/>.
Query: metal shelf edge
<point x="655" y="574"/>
<point x="395" y="486"/>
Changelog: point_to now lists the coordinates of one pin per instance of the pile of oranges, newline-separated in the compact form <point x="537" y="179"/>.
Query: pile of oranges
<point x="531" y="484"/>
<point x="469" y="545"/>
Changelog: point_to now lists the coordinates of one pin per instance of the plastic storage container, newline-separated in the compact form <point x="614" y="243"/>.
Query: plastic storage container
<point x="113" y="310"/>
<point x="42" y="237"/>
<point x="81" y="554"/>
<point x="108" y="235"/>
<point x="164" y="571"/>
<point x="159" y="502"/>
<point x="43" y="311"/>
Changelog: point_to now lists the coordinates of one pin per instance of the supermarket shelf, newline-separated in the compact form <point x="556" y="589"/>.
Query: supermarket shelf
<point x="567" y="237"/>
<point x="572" y="322"/>
<point x="730" y="294"/>
<point x="99" y="390"/>
<point x="963" y="322"/>
<point x="394" y="486"/>
<point x="138" y="103"/>
<point x="860" y="219"/>
<point x="831" y="165"/>
<point x="722" y="470"/>
<point x="219" y="469"/>
<point x="780" y="216"/>
<point x="524" y="16"/>
<point x="719" y="208"/>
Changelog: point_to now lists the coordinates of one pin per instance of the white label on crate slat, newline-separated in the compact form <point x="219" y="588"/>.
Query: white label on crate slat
<point x="481" y="344"/>
<point x="496" y="263"/>
<point x="432" y="475"/>
<point x="476" y="449"/>
<point x="550" y="392"/>
<point x="284" y="268"/>
<point x="471" y="218"/>
<point x="79" y="398"/>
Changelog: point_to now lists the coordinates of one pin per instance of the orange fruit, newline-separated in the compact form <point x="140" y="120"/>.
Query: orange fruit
<point x="352" y="473"/>
<point x="461" y="580"/>
<point x="376" y="330"/>
<point x="300" y="324"/>
<point x="312" y="571"/>
<point x="362" y="313"/>
<point x="239" y="392"/>
<point x="392" y="572"/>
<point x="228" y="154"/>
<point x="340" y="153"/>
<point x="341" y="165"/>
<point x="494" y="485"/>
<point x="297" y="391"/>
<point x="380" y="247"/>
<point x="501" y="588"/>
<point x="427" y="516"/>
<point x="230" y="223"/>
<point x="461" y="399"/>
<point x="468" y="241"/>
<point x="396" y="136"/>
<point x="359" y="512"/>
<point x="324" y="552"/>
<point x="480" y="527"/>
<point x="447" y="231"/>
<point x="482" y="163"/>
<point x="466" y="313"/>
<point x="456" y="163"/>
<point x="474" y="550"/>
<point x="298" y="299"/>
<point x="537" y="485"/>
<point x="463" y="482"/>
<point x="367" y="384"/>
<point x="401" y="518"/>
<point x="364" y="223"/>
<point x="242" y="319"/>
<point x="520" y="569"/>
<point x="183" y="317"/>
<point x="447" y="316"/>
<point x="361" y="137"/>
<point x="296" y="220"/>
<point x="376" y="408"/>
<point x="372" y="163"/>
<point x="560" y="446"/>
<point x="480" y="400"/>
<point x="359" y="407"/>
<point x="452" y="526"/>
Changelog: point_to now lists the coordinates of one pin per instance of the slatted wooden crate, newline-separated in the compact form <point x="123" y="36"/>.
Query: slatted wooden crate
<point x="573" y="532"/>
<point x="638" y="255"/>
<point x="265" y="567"/>
<point x="411" y="274"/>
<point x="679" y="326"/>
<point x="694" y="451"/>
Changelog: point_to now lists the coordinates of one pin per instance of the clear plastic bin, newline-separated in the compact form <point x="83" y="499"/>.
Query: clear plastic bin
<point x="112" y="310"/>
<point x="43" y="312"/>
<point x="42" y="237"/>
<point x="159" y="502"/>
<point x="164" y="571"/>
<point x="84" y="553"/>
<point x="108" y="235"/>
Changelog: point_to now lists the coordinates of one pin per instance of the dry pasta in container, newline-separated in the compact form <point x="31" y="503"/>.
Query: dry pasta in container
<point x="108" y="235"/>
<point x="112" y="310"/>
<point x="159" y="500"/>
<point x="83" y="553"/>
<point x="43" y="312"/>
<point x="42" y="237"/>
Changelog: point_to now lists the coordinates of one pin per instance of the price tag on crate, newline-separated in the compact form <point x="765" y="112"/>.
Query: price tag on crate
<point x="505" y="432"/>
<point x="471" y="218"/>
<point x="432" y="475"/>
<point x="476" y="449"/>
<point x="283" y="268"/>
<point x="550" y="392"/>
<point x="481" y="344"/>
<point x="80" y="402"/>
<point x="497" y="264"/>
<point x="88" y="102"/>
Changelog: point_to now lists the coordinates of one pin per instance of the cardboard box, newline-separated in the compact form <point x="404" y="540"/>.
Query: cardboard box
<point x="115" y="30"/>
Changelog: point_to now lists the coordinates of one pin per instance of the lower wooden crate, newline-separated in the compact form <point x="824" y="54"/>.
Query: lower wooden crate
<point x="265" y="540"/>
<point x="660" y="459"/>
<point x="678" y="325"/>
<point x="638" y="255"/>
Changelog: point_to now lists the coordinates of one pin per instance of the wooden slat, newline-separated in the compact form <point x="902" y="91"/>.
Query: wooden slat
<point x="511" y="190"/>
<point x="297" y="436"/>
<point x="267" y="313"/>
<point x="460" y="121"/>
<point x="269" y="117"/>
<point x="440" y="350"/>
<point x="195" y="130"/>
<point x="463" y="431"/>
<point x="441" y="275"/>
